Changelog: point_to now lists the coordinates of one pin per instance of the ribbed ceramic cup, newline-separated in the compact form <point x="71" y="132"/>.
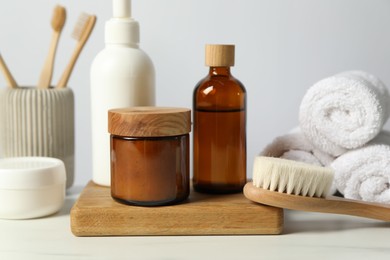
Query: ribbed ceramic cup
<point x="38" y="122"/>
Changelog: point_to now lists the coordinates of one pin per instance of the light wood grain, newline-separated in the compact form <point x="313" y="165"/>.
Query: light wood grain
<point x="85" y="33"/>
<point x="57" y="23"/>
<point x="7" y="74"/>
<point x="149" y="121"/>
<point x="219" y="55"/>
<point x="97" y="214"/>
<point x="330" y="204"/>
<point x="47" y="71"/>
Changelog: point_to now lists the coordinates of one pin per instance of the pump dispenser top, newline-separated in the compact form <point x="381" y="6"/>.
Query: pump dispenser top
<point x="121" y="8"/>
<point x="122" y="29"/>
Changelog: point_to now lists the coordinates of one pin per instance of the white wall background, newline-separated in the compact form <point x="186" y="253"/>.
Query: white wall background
<point x="282" y="48"/>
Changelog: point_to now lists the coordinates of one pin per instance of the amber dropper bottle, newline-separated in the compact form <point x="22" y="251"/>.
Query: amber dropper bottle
<point x="219" y="107"/>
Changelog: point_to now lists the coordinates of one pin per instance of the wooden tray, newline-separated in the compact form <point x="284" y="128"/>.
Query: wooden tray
<point x="95" y="213"/>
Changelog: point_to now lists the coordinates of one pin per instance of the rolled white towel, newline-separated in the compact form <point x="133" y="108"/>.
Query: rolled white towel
<point x="344" y="111"/>
<point x="295" y="146"/>
<point x="384" y="94"/>
<point x="364" y="173"/>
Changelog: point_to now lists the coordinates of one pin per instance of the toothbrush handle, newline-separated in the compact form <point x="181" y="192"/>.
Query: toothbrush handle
<point x="7" y="74"/>
<point x="47" y="71"/>
<point x="68" y="71"/>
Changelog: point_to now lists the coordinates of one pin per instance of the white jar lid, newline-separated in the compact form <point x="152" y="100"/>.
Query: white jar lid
<point x="31" y="172"/>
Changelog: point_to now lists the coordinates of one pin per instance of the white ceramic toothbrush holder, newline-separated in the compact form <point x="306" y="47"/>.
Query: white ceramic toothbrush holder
<point x="38" y="122"/>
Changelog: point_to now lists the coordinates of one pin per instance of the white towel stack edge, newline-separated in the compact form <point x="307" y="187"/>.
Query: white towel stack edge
<point x="341" y="121"/>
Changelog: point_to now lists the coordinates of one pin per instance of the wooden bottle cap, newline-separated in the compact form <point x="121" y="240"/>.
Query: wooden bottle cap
<point x="219" y="55"/>
<point x="149" y="121"/>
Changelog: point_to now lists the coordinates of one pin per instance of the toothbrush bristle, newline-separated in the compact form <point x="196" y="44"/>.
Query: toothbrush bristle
<point x="80" y="26"/>
<point x="291" y="177"/>
<point x="59" y="18"/>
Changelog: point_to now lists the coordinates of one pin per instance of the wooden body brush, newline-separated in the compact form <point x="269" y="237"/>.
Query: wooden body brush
<point x="300" y="186"/>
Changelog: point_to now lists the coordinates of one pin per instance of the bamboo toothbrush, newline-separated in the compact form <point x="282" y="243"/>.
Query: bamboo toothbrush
<point x="299" y="186"/>
<point x="57" y="23"/>
<point x="81" y="33"/>
<point x="7" y="74"/>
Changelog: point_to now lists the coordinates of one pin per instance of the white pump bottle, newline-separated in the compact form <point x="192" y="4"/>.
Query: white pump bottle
<point x="122" y="75"/>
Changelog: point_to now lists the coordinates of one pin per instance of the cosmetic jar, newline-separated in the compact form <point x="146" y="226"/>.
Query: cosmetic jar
<point x="149" y="155"/>
<point x="31" y="187"/>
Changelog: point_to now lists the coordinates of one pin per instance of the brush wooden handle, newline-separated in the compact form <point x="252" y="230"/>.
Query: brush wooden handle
<point x="80" y="44"/>
<point x="47" y="71"/>
<point x="330" y="204"/>
<point x="68" y="70"/>
<point x="7" y="74"/>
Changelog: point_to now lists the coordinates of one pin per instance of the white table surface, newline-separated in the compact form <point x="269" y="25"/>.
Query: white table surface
<point x="305" y="236"/>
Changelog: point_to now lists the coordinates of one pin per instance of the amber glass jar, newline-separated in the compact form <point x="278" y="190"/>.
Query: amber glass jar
<point x="219" y="108"/>
<point x="149" y="155"/>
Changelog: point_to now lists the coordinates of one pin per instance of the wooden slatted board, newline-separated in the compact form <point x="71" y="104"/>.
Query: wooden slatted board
<point x="95" y="213"/>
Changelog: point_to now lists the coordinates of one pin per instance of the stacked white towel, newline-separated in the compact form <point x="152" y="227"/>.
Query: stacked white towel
<point x="364" y="174"/>
<point x="344" y="112"/>
<point x="295" y="146"/>
<point x="341" y="120"/>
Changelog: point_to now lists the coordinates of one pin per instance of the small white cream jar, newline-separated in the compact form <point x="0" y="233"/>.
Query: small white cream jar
<point x="31" y="187"/>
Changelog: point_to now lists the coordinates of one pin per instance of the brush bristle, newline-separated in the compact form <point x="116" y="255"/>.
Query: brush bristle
<point x="59" y="17"/>
<point x="80" y="26"/>
<point x="291" y="177"/>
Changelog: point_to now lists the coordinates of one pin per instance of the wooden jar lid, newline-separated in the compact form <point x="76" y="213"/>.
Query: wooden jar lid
<point x="149" y="121"/>
<point x="219" y="55"/>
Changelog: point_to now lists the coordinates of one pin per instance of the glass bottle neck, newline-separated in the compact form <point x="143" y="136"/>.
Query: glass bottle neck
<point x="219" y="71"/>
